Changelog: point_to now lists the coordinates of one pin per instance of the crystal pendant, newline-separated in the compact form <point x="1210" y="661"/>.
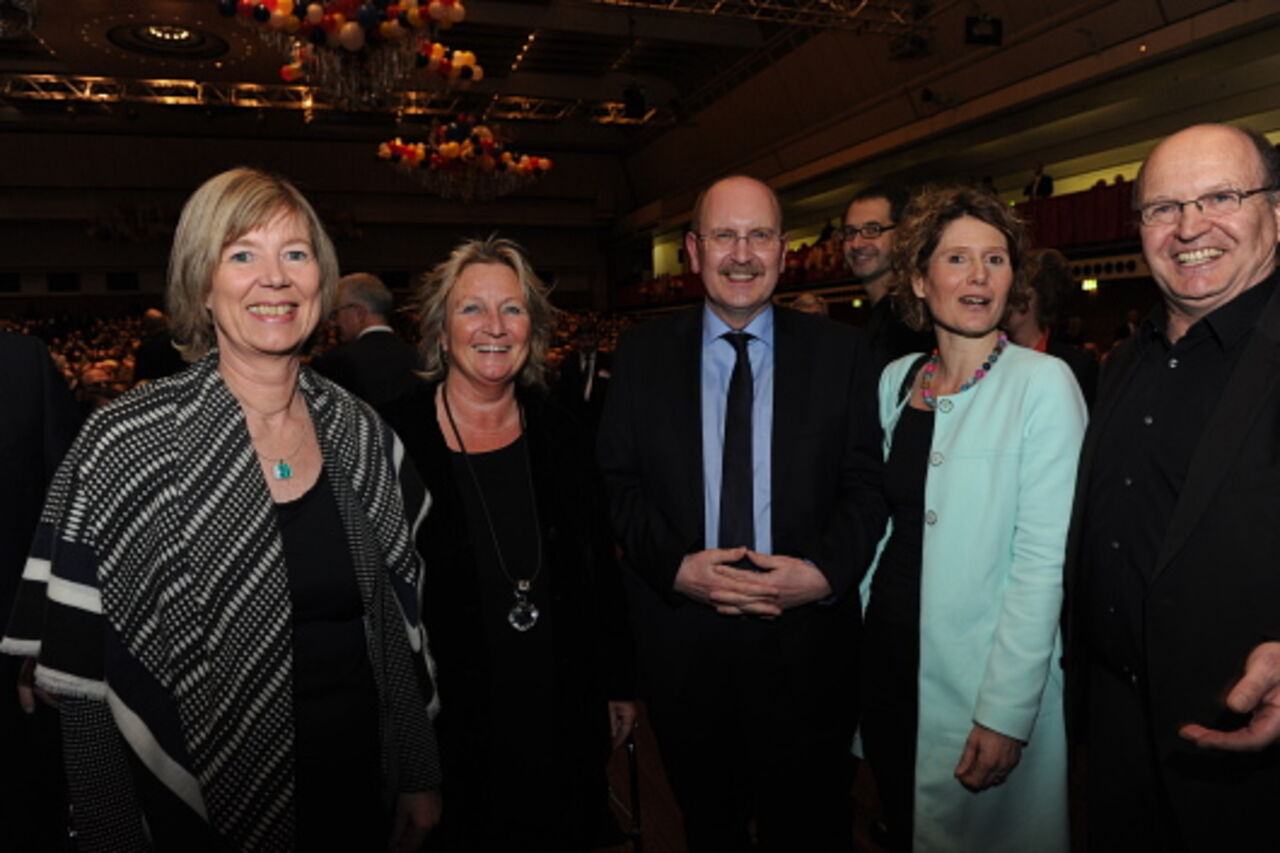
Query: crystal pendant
<point x="281" y="470"/>
<point x="523" y="615"/>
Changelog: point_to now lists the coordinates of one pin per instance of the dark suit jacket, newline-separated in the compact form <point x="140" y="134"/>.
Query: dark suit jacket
<point x="40" y="420"/>
<point x="376" y="367"/>
<point x="1214" y="594"/>
<point x="826" y="504"/>
<point x="1083" y="365"/>
<point x="594" y="658"/>
<point x="572" y="381"/>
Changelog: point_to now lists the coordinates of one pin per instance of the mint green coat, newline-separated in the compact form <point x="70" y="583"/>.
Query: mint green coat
<point x="997" y="504"/>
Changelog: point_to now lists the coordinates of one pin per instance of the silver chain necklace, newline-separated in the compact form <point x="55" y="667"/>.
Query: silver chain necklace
<point x="523" y="614"/>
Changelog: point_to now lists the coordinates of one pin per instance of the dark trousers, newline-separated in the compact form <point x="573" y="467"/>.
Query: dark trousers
<point x="722" y="779"/>
<point x="1127" y="806"/>
<point x="751" y="739"/>
<point x="33" y="799"/>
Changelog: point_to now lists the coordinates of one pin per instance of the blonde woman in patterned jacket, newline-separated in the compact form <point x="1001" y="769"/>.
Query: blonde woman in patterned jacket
<point x="223" y="592"/>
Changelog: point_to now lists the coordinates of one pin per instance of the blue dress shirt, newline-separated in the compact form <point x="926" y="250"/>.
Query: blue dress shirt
<point x="718" y="358"/>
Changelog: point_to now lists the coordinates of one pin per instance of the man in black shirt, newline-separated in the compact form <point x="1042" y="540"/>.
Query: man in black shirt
<point x="867" y="238"/>
<point x="1173" y="588"/>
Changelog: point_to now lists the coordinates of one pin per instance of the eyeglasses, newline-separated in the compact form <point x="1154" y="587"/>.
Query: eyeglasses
<point x="869" y="231"/>
<point x="336" y="311"/>
<point x="726" y="240"/>
<point x="1216" y="203"/>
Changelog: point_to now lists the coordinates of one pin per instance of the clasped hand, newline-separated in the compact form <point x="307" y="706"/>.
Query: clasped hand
<point x="781" y="584"/>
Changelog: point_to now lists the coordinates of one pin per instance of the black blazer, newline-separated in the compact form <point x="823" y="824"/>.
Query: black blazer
<point x="1214" y="595"/>
<point x="377" y="367"/>
<point x="41" y="419"/>
<point x="594" y="658"/>
<point x="827" y="505"/>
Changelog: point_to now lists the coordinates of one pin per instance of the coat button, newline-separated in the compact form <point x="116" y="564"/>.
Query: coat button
<point x="930" y="517"/>
<point x="944" y="405"/>
<point x="935" y="458"/>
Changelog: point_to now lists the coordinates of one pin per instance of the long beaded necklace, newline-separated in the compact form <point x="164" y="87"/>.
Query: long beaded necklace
<point x="931" y="368"/>
<point x="523" y="614"/>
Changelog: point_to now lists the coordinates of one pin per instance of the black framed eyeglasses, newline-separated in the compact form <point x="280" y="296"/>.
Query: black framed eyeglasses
<point x="869" y="230"/>
<point x="1212" y="204"/>
<point x="336" y="311"/>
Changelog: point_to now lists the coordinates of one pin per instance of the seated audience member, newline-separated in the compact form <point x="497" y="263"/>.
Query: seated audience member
<point x="156" y="355"/>
<point x="371" y="362"/>
<point x="962" y="719"/>
<point x="222" y="590"/>
<point x="1030" y="324"/>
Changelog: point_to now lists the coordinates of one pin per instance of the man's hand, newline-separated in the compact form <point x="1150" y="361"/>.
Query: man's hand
<point x="417" y="813"/>
<point x="796" y="581"/>
<point x="1257" y="693"/>
<point x="622" y="719"/>
<point x="988" y="758"/>
<point x="705" y="577"/>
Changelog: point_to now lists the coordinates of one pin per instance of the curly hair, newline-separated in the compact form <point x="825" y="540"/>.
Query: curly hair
<point x="927" y="215"/>
<point x="437" y="285"/>
<point x="224" y="209"/>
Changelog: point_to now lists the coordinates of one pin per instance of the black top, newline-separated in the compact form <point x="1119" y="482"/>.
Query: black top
<point x="336" y="727"/>
<point x="890" y="338"/>
<point x="520" y="756"/>
<point x="1142" y="459"/>
<point x="895" y="589"/>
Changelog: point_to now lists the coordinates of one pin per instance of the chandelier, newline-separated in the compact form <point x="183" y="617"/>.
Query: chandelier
<point x="464" y="161"/>
<point x="358" y="51"/>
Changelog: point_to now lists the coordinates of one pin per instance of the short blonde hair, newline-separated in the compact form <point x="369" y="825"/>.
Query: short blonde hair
<point x="438" y="284"/>
<point x="927" y="215"/>
<point x="221" y="211"/>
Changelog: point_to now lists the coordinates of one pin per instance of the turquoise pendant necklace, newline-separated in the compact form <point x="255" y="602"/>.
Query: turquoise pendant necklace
<point x="280" y="469"/>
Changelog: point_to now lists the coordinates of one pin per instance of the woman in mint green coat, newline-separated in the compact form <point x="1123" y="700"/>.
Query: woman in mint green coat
<point x="963" y="719"/>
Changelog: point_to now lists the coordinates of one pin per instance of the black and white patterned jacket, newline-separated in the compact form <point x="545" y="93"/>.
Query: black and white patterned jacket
<point x="156" y="600"/>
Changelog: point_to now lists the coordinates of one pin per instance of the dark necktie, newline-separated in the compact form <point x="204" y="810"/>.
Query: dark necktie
<point x="737" y="521"/>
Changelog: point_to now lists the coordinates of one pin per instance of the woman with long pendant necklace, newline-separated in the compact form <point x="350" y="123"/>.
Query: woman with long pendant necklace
<point x="523" y="597"/>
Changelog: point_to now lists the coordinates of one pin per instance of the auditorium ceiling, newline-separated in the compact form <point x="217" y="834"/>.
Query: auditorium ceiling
<point x="674" y="95"/>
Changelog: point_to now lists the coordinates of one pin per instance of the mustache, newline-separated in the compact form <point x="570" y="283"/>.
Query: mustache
<point x="751" y="267"/>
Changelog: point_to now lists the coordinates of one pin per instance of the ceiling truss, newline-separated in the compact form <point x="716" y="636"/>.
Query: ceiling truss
<point x="887" y="17"/>
<point x="72" y="89"/>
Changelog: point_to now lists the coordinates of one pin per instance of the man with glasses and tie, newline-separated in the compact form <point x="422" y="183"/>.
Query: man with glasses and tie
<point x="867" y="238"/>
<point x="1173" y="573"/>
<point x="741" y="446"/>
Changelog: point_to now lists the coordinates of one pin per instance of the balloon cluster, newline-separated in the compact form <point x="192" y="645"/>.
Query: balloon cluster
<point x="354" y="25"/>
<point x="463" y="145"/>
<point x="453" y="65"/>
